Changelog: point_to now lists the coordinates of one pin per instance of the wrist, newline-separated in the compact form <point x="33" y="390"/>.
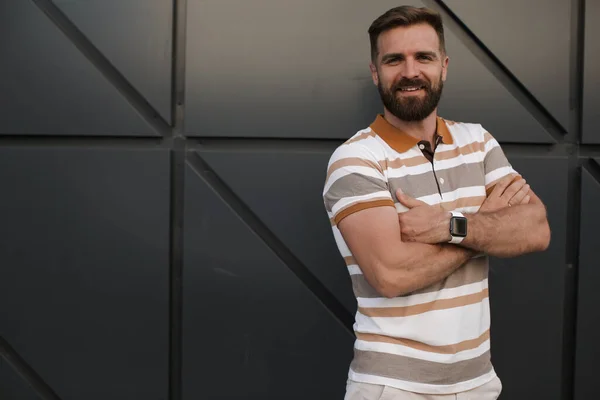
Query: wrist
<point x="444" y="227"/>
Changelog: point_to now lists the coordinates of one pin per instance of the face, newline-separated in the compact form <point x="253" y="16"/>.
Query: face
<point x="410" y="71"/>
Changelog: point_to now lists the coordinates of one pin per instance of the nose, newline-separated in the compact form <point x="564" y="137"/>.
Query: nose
<point x="410" y="69"/>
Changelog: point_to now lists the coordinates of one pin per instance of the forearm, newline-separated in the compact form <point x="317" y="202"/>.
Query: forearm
<point x="423" y="266"/>
<point x="508" y="232"/>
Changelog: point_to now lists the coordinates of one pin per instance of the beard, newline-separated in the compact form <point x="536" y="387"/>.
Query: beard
<point x="411" y="108"/>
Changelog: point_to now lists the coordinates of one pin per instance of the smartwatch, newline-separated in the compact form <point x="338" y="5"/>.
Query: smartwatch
<point x="458" y="227"/>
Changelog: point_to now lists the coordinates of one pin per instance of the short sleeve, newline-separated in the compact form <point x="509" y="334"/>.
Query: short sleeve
<point x="355" y="181"/>
<point x="496" y="164"/>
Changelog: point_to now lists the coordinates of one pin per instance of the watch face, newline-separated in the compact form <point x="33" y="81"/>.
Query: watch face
<point x="458" y="226"/>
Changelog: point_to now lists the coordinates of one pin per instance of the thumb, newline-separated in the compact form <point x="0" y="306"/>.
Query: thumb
<point x="407" y="200"/>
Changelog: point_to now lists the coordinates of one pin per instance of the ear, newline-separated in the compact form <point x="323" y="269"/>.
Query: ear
<point x="445" y="63"/>
<point x="374" y="74"/>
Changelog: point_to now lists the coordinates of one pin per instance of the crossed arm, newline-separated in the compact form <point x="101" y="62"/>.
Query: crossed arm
<point x="500" y="228"/>
<point x="401" y="254"/>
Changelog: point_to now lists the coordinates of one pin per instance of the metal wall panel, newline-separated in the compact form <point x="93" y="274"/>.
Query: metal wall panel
<point x="138" y="41"/>
<point x="522" y="34"/>
<point x="473" y="94"/>
<point x="591" y="73"/>
<point x="12" y="386"/>
<point x="84" y="277"/>
<point x="588" y="318"/>
<point x="252" y="330"/>
<point x="311" y="79"/>
<point x="48" y="86"/>
<point x="284" y="69"/>
<point x="292" y="181"/>
<point x="527" y="295"/>
<point x="97" y="229"/>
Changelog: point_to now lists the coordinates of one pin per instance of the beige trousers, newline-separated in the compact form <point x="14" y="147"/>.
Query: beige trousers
<point x="367" y="391"/>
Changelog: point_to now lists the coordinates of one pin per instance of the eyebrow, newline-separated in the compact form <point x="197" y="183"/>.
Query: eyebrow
<point x="394" y="56"/>
<point x="432" y="54"/>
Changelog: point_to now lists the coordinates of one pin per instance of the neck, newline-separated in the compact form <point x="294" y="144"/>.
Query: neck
<point x="422" y="130"/>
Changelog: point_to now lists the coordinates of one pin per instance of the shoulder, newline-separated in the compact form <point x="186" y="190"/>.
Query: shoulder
<point x="465" y="132"/>
<point x="364" y="144"/>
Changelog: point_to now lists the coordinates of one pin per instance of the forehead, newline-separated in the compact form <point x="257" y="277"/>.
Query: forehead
<point x="408" y="40"/>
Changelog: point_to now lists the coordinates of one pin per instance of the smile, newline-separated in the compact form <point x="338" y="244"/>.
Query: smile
<point x="411" y="89"/>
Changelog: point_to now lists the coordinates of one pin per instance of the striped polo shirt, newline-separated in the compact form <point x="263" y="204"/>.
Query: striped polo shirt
<point x="435" y="340"/>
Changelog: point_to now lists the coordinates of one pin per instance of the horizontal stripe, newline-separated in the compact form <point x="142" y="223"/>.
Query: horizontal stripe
<point x="361" y="136"/>
<point x="349" y="201"/>
<point x="426" y="184"/>
<point x="434" y="388"/>
<point x="467" y="149"/>
<point x="362" y="206"/>
<point x="441" y="304"/>
<point x="461" y="192"/>
<point x="492" y="177"/>
<point x="495" y="159"/>
<point x="443" y="152"/>
<point x="473" y="158"/>
<point x="450" y="349"/>
<point x="417" y="350"/>
<point x="424" y="298"/>
<point x="415" y="370"/>
<point x="352" y="162"/>
<point x="352" y="185"/>
<point x="474" y="271"/>
<point x="450" y="201"/>
<point x="357" y="170"/>
<point x="464" y="202"/>
<point x="436" y="328"/>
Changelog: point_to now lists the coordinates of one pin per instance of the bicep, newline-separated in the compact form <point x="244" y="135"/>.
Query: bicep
<point x="373" y="236"/>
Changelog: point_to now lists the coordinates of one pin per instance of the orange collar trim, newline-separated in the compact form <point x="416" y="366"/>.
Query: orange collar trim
<point x="402" y="141"/>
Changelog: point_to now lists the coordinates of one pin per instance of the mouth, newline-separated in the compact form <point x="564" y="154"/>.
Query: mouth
<point x="409" y="89"/>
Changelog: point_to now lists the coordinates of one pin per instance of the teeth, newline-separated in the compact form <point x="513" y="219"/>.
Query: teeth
<point x="412" y="89"/>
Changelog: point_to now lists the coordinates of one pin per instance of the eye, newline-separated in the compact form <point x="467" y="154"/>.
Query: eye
<point x="424" y="57"/>
<point x="393" y="61"/>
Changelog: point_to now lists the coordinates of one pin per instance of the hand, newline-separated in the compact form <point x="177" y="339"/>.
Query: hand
<point x="423" y="223"/>
<point x="506" y="194"/>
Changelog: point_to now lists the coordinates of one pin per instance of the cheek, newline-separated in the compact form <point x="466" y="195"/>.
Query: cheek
<point x="388" y="76"/>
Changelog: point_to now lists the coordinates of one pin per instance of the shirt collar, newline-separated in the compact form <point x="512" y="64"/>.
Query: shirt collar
<point x="402" y="141"/>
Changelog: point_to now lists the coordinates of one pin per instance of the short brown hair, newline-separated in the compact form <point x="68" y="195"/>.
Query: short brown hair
<point x="405" y="16"/>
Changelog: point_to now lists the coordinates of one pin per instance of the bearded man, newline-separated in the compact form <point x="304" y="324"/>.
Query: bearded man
<point x="417" y="203"/>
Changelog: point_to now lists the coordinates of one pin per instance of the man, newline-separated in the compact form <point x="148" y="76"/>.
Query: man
<point x="417" y="204"/>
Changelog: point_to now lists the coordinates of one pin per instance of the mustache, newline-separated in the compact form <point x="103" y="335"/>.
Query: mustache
<point x="404" y="83"/>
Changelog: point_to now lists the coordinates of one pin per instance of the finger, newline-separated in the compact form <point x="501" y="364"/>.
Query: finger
<point x="519" y="196"/>
<point x="408" y="201"/>
<point x="526" y="199"/>
<point x="513" y="189"/>
<point x="500" y="186"/>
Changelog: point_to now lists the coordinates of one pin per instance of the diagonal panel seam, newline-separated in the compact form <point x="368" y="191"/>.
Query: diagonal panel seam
<point x="26" y="372"/>
<point x="257" y="226"/>
<point x="104" y="66"/>
<point x="592" y="166"/>
<point x="510" y="82"/>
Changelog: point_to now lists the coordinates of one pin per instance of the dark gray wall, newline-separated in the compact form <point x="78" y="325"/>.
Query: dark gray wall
<point x="162" y="161"/>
